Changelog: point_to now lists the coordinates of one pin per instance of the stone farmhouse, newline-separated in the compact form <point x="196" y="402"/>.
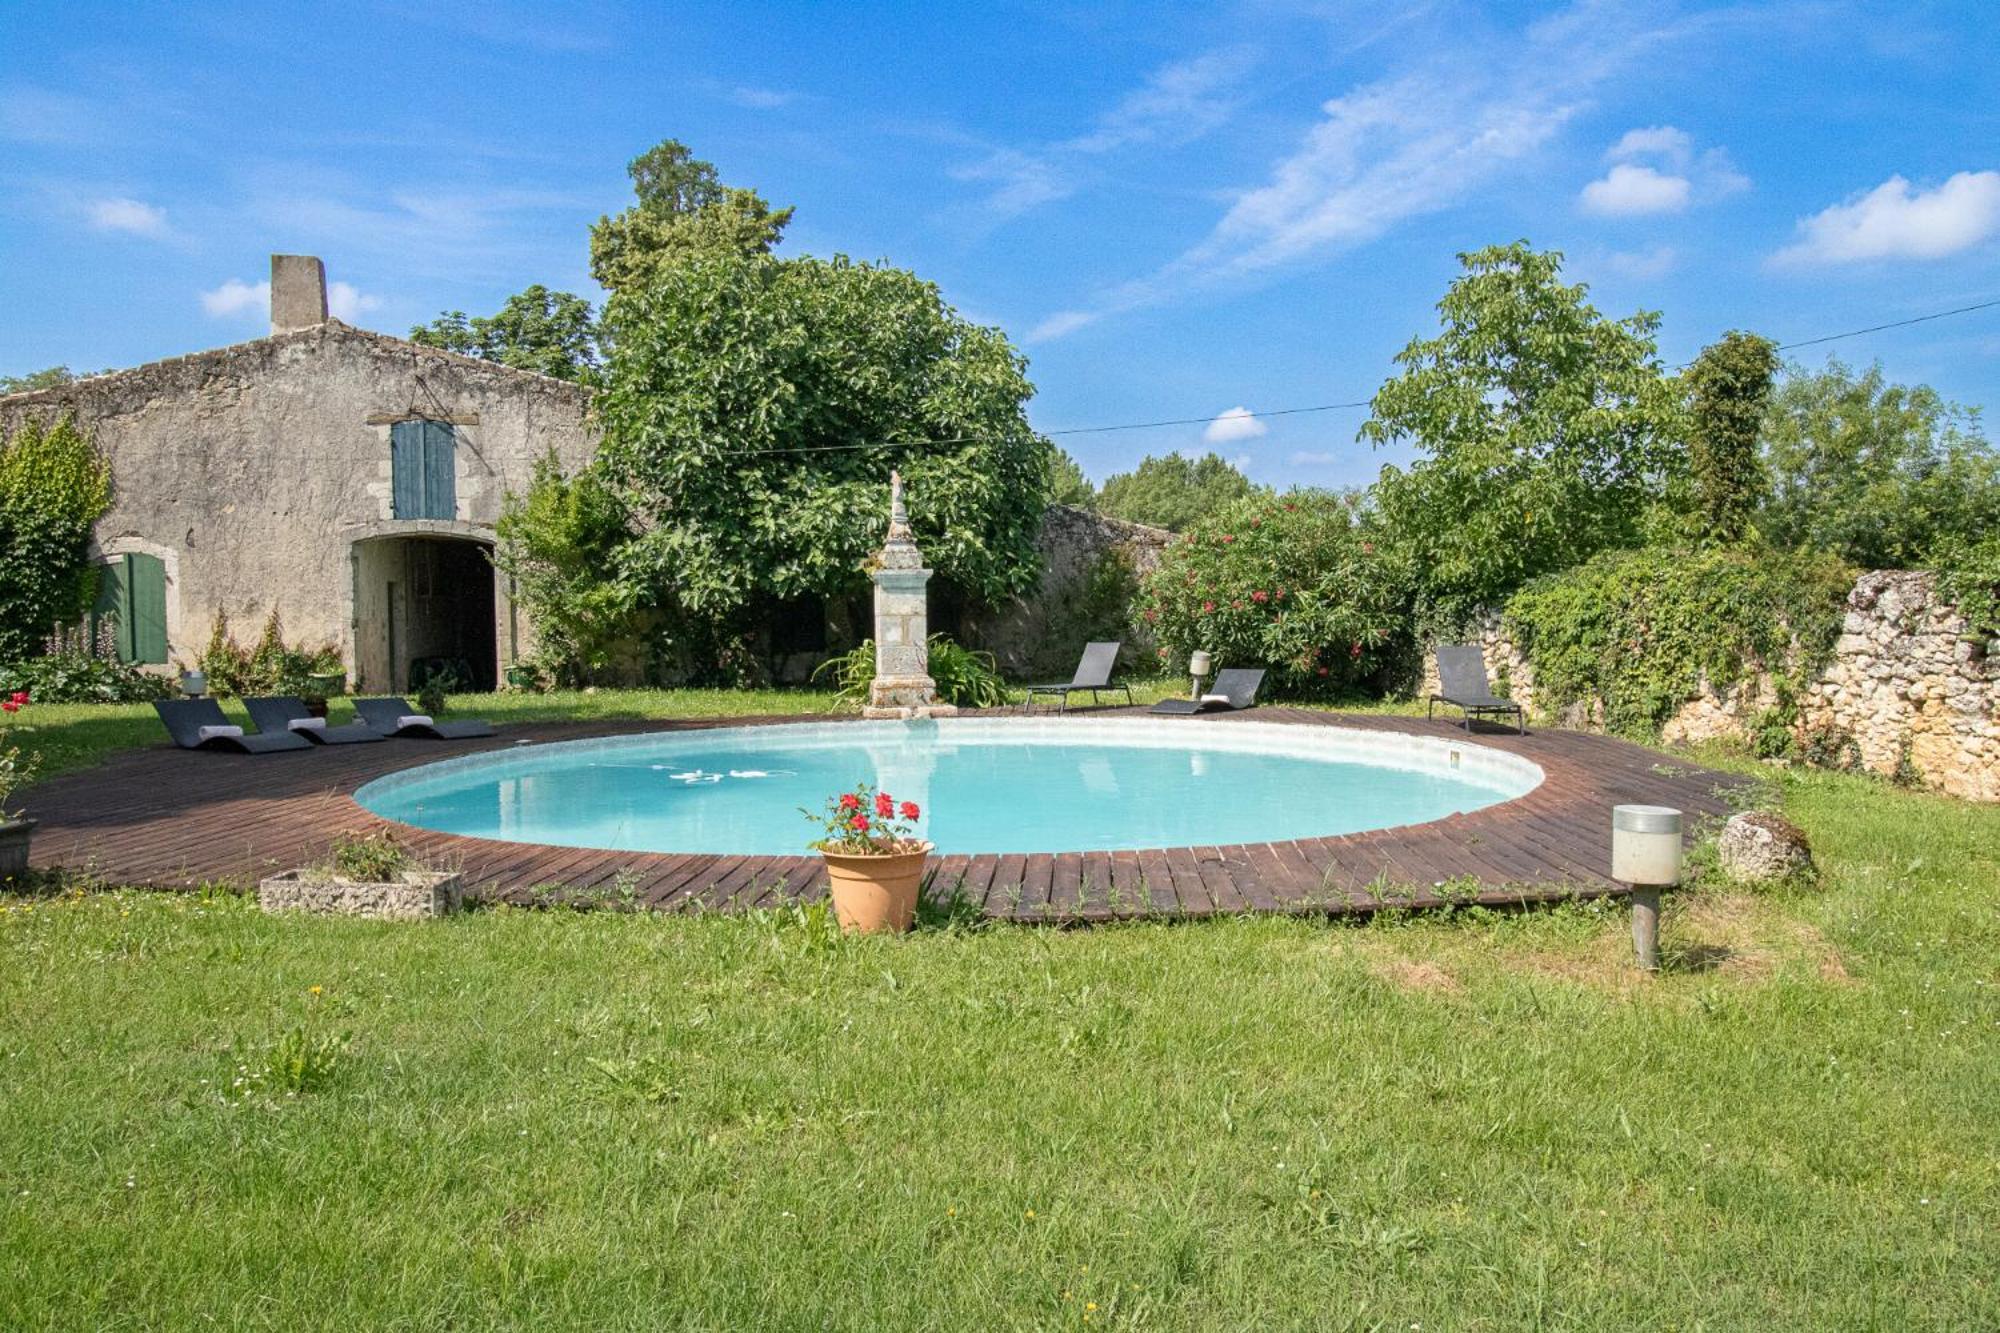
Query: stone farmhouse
<point x="351" y="481"/>
<point x="347" y="479"/>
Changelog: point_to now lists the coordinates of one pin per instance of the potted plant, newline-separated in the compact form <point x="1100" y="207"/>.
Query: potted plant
<point x="874" y="859"/>
<point x="16" y="770"/>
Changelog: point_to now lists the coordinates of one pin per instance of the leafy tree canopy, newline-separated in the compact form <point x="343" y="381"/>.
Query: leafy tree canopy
<point x="50" y="378"/>
<point x="550" y="333"/>
<point x="1067" y="484"/>
<point x="557" y="541"/>
<point x="684" y="208"/>
<point x="755" y="407"/>
<point x="1730" y="387"/>
<point x="1176" y="491"/>
<point x="1880" y="473"/>
<point x="1546" y="429"/>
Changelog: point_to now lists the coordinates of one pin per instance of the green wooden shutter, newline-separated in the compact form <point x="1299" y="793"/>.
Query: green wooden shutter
<point x="110" y="606"/>
<point x="440" y="479"/>
<point x="146" y="608"/>
<point x="406" y="466"/>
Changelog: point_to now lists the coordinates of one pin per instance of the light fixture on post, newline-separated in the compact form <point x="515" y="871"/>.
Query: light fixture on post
<point x="1646" y="857"/>
<point x="194" y="684"/>
<point x="1198" y="667"/>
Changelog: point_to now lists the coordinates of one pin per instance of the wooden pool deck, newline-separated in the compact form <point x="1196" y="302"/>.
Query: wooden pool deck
<point x="170" y="818"/>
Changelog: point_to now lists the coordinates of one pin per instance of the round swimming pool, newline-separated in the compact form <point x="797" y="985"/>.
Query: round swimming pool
<point x="985" y="784"/>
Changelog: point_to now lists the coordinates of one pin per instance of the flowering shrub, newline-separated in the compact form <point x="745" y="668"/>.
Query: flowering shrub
<point x="16" y="769"/>
<point x="1292" y="583"/>
<point x="866" y="822"/>
<point x="78" y="666"/>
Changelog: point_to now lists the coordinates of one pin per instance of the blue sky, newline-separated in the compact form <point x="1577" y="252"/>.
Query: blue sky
<point x="1175" y="210"/>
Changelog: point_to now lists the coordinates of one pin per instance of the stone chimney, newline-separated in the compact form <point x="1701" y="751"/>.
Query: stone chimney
<point x="298" y="292"/>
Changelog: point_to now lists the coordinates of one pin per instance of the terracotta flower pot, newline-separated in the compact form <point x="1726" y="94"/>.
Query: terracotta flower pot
<point x="875" y="894"/>
<point x="15" y="834"/>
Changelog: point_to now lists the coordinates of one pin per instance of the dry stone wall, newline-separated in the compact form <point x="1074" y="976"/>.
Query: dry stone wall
<point x="1907" y="692"/>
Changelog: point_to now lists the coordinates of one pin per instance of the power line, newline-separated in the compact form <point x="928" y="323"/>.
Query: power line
<point x="1895" y="324"/>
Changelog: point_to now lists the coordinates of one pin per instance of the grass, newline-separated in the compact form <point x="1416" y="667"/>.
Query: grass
<point x="557" y="1119"/>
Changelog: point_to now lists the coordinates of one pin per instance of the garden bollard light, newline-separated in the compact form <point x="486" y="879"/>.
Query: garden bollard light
<point x="1646" y="857"/>
<point x="1198" y="665"/>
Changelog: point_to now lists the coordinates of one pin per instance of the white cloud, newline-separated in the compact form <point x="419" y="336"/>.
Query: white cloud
<point x="761" y="99"/>
<point x="1654" y="263"/>
<point x="1176" y="104"/>
<point x="1418" y="142"/>
<point x="1674" y="177"/>
<point x="1627" y="190"/>
<point x="1314" y="458"/>
<point x="1063" y="321"/>
<point x="236" y="297"/>
<point x="1892" y="221"/>
<point x="129" y="216"/>
<point x="1238" y="423"/>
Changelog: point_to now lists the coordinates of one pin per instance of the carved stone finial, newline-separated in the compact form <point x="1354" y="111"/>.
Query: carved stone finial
<point x="899" y="549"/>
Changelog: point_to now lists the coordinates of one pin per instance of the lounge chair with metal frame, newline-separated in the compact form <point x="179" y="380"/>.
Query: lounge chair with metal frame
<point x="1234" y="690"/>
<point x="1093" y="674"/>
<point x="1462" y="684"/>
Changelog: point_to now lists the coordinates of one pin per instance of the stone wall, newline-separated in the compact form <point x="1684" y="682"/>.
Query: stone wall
<point x="257" y="473"/>
<point x="1905" y="692"/>
<point x="1043" y="633"/>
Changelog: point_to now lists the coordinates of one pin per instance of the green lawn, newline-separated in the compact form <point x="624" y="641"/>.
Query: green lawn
<point x="557" y="1120"/>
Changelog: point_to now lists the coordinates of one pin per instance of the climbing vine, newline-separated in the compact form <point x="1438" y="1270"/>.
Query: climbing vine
<point x="54" y="486"/>
<point x="1968" y="576"/>
<point x="1639" y="631"/>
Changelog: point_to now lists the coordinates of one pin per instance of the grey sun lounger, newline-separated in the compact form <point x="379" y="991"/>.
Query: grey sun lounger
<point x="284" y="712"/>
<point x="198" y="724"/>
<point x="1093" y="674"/>
<point x="1462" y="684"/>
<point x="395" y="717"/>
<point x="1233" y="691"/>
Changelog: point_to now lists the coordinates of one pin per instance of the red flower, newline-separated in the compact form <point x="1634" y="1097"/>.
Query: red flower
<point x="861" y="823"/>
<point x="10" y="706"/>
<point x="850" y="802"/>
<point x="1260" y="596"/>
<point x="1281" y="593"/>
<point x="1355" y="651"/>
<point x="885" y="805"/>
<point x="1151" y="616"/>
<point x="20" y="696"/>
<point x="1236" y="603"/>
<point x="1368" y="548"/>
<point x="910" y="810"/>
<point x="1256" y="522"/>
<point x="1226" y="538"/>
<point x="1207" y="607"/>
<point x="1322" y="671"/>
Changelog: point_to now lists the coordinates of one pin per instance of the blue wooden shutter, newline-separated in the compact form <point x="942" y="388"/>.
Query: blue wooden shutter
<point x="406" y="465"/>
<point x="146" y="608"/>
<point x="440" y="479"/>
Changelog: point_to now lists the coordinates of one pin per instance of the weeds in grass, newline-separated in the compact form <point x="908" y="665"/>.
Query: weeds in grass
<point x="304" y="1058"/>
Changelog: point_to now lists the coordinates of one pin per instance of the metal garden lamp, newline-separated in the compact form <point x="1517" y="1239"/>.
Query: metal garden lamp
<point x="1198" y="667"/>
<point x="1646" y="857"/>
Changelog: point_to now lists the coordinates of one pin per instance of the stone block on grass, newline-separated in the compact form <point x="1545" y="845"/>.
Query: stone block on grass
<point x="411" y="896"/>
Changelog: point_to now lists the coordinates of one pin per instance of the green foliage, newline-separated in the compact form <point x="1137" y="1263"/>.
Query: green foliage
<point x="434" y="694"/>
<point x="270" y="667"/>
<point x="738" y="384"/>
<point x="1883" y="474"/>
<point x="1293" y="584"/>
<point x="550" y="333"/>
<point x="684" y="209"/>
<point x="1968" y="575"/>
<point x="1636" y="632"/>
<point x="304" y="1058"/>
<point x="1097" y="604"/>
<point x="1175" y="492"/>
<point x="54" y="377"/>
<point x="559" y="544"/>
<point x="74" y="669"/>
<point x="374" y="859"/>
<point x="963" y="677"/>
<point x="17" y="770"/>
<point x="1547" y="429"/>
<point x="54" y="486"/>
<point x="1730" y="388"/>
<point x="1067" y="484"/>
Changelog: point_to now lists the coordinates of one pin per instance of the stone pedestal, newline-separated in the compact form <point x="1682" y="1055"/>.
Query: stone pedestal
<point x="902" y="686"/>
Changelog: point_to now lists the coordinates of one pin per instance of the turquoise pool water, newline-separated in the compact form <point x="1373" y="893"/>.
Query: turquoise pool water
<point x="985" y="784"/>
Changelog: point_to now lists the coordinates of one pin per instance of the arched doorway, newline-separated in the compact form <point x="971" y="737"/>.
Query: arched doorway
<point x="425" y="602"/>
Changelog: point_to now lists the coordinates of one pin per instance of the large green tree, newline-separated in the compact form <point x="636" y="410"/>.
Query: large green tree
<point x="558" y="540"/>
<point x="54" y="486"/>
<point x="1729" y="389"/>
<point x="755" y="407"/>
<point x="683" y="208"/>
<point x="548" y="332"/>
<point x="1067" y="484"/>
<point x="1545" y="432"/>
<point x="1175" y="491"/>
<point x="1883" y="474"/>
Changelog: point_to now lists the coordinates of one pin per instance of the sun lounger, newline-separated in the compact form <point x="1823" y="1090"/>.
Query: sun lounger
<point x="1233" y="691"/>
<point x="1462" y="684"/>
<point x="284" y="712"/>
<point x="198" y="724"/>
<point x="1093" y="673"/>
<point x="395" y="717"/>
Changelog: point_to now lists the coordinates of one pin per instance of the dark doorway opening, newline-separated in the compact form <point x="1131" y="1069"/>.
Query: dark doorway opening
<point x="425" y="606"/>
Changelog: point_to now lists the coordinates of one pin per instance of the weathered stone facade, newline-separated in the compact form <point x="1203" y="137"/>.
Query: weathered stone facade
<point x="1042" y="632"/>
<point x="260" y="476"/>
<point x="1906" y="692"/>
